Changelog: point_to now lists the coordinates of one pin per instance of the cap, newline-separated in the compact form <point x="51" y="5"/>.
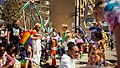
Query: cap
<point x="69" y="35"/>
<point x="94" y="21"/>
<point x="38" y="24"/>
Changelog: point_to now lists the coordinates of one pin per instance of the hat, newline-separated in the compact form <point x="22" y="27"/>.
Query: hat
<point x="69" y="35"/>
<point x="80" y="41"/>
<point x="64" y="25"/>
<point x="67" y="31"/>
<point x="38" y="24"/>
<point x="94" y="21"/>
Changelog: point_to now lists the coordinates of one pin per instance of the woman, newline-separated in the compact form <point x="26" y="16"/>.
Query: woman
<point x="28" y="56"/>
<point x="110" y="12"/>
<point x="4" y="62"/>
<point x="11" y="51"/>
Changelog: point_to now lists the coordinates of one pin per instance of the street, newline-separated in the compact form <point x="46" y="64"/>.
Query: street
<point x="110" y="56"/>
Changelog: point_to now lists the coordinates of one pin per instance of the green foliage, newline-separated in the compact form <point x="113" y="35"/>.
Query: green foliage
<point x="11" y="10"/>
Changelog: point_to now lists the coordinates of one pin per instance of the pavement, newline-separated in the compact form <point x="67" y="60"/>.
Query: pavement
<point x="82" y="63"/>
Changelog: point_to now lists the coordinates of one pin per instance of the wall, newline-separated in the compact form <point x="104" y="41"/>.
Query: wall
<point x="60" y="11"/>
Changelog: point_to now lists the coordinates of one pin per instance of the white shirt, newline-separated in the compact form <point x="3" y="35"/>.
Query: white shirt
<point x="67" y="62"/>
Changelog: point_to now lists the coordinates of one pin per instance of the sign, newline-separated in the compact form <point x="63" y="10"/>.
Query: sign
<point x="73" y="27"/>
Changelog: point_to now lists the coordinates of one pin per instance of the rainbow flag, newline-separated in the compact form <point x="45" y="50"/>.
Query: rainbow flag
<point x="25" y="37"/>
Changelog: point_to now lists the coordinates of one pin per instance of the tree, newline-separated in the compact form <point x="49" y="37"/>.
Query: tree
<point x="11" y="10"/>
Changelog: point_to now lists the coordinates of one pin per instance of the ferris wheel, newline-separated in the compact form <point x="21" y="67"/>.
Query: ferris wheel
<point x="28" y="12"/>
<point x="36" y="12"/>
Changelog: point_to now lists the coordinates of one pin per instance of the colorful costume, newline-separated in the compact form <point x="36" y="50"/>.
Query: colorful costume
<point x="112" y="13"/>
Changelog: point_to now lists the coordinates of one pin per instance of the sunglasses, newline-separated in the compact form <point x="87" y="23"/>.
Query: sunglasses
<point x="76" y="51"/>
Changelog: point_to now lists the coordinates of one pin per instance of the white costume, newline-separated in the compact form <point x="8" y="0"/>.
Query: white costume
<point x="36" y="45"/>
<point x="67" y="62"/>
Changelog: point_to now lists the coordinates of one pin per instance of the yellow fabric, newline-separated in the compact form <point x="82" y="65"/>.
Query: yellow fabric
<point x="105" y="39"/>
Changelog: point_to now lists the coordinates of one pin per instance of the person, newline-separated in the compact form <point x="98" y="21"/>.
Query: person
<point x="5" y="59"/>
<point x="98" y="59"/>
<point x="67" y="60"/>
<point x="80" y="44"/>
<point x="69" y="39"/>
<point x="110" y="12"/>
<point x="13" y="34"/>
<point x="3" y="33"/>
<point x="64" y="35"/>
<point x="64" y="29"/>
<point x="11" y="51"/>
<point x="96" y="27"/>
<point x="36" y="42"/>
<point x="28" y="56"/>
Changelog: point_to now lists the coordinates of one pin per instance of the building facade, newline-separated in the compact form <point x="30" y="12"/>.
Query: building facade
<point x="86" y="10"/>
<point x="64" y="11"/>
<point x="60" y="13"/>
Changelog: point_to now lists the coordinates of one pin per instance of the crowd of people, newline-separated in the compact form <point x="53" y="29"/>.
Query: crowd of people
<point x="39" y="46"/>
<point x="37" y="49"/>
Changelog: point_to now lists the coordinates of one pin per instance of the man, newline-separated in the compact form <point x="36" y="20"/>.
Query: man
<point x="13" y="34"/>
<point x="67" y="60"/>
<point x="96" y="27"/>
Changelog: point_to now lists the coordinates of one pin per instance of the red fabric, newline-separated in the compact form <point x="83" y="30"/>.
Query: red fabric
<point x="33" y="32"/>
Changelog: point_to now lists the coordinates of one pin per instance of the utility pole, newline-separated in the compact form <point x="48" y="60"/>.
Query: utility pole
<point x="75" y="15"/>
<point x="79" y="13"/>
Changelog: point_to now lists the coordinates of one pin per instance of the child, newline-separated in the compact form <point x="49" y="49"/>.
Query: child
<point x="110" y="12"/>
<point x="99" y="60"/>
<point x="28" y="56"/>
